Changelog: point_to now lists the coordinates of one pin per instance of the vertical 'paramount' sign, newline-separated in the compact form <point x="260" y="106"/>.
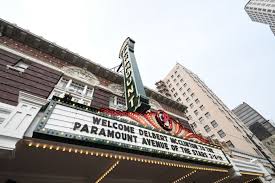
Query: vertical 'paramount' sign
<point x="135" y="96"/>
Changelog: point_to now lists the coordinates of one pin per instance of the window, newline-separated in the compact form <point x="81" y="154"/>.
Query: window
<point x="188" y="99"/>
<point x="247" y="140"/>
<point x="76" y="87"/>
<point x="167" y="81"/>
<point x="80" y="93"/>
<point x="170" y="85"/>
<point x="207" y="115"/>
<point x="196" y="112"/>
<point x="237" y="128"/>
<point x="197" y="101"/>
<point x="180" y="89"/>
<point x="194" y="125"/>
<point x="20" y="66"/>
<point x="178" y="76"/>
<point x="221" y="110"/>
<point x="192" y="95"/>
<point x="229" y="144"/>
<point x="214" y="123"/>
<point x="202" y="108"/>
<point x="188" y="90"/>
<point x="177" y="84"/>
<point x="173" y="89"/>
<point x="181" y="80"/>
<point x="221" y="133"/>
<point x="179" y="99"/>
<point x="229" y="119"/>
<point x="191" y="105"/>
<point x="184" y="84"/>
<point x="172" y="76"/>
<point x="190" y="117"/>
<point x="63" y="83"/>
<point x="184" y="94"/>
<point x="207" y="128"/>
<point x="201" y="119"/>
<point x="213" y="136"/>
<point x="176" y="72"/>
<point x="176" y="94"/>
<point x="89" y="92"/>
<point x="174" y="80"/>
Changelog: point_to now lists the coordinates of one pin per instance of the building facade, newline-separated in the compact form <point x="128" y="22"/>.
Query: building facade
<point x="270" y="143"/>
<point x="63" y="119"/>
<point x="208" y="115"/>
<point x="260" y="126"/>
<point x="262" y="11"/>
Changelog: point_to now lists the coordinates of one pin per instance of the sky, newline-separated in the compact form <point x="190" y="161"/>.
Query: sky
<point x="215" y="39"/>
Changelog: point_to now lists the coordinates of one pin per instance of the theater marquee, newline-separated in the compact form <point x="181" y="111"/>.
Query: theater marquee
<point x="68" y="122"/>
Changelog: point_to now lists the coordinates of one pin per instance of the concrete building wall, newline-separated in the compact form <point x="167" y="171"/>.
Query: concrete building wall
<point x="187" y="88"/>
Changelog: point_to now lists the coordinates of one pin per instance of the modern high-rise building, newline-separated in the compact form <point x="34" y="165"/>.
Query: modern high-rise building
<point x="260" y="126"/>
<point x="262" y="11"/>
<point x="207" y="114"/>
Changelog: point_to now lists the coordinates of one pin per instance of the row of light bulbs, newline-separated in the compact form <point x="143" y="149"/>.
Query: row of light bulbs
<point x="222" y="179"/>
<point x="119" y="157"/>
<point x="251" y="180"/>
<point x="107" y="172"/>
<point x="185" y="176"/>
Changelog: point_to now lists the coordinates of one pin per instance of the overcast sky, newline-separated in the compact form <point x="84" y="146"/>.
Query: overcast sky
<point x="213" y="38"/>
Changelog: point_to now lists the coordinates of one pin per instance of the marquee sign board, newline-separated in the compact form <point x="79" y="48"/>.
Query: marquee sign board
<point x="68" y="122"/>
<point x="136" y="99"/>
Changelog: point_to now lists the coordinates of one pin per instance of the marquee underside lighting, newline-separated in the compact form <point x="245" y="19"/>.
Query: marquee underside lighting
<point x="184" y="177"/>
<point x="222" y="179"/>
<point x="115" y="156"/>
<point x="107" y="172"/>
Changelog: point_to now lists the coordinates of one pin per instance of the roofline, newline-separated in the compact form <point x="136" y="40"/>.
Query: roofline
<point x="38" y="42"/>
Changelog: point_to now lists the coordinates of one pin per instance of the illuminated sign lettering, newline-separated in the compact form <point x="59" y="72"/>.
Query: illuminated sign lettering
<point x="136" y="99"/>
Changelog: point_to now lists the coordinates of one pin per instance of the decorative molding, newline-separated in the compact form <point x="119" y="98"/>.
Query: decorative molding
<point x="116" y="88"/>
<point x="81" y="74"/>
<point x="25" y="97"/>
<point x="13" y="128"/>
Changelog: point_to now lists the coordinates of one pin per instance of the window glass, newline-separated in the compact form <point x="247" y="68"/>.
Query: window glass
<point x="229" y="143"/>
<point x="63" y="83"/>
<point x="221" y="133"/>
<point x="214" y="123"/>
<point x="207" y="128"/>
<point x="207" y="115"/>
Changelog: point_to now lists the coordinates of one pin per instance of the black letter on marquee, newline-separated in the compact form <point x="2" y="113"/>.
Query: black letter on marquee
<point x="76" y="125"/>
<point x="85" y="128"/>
